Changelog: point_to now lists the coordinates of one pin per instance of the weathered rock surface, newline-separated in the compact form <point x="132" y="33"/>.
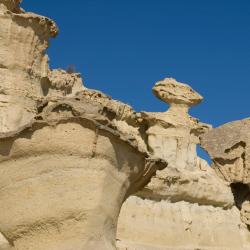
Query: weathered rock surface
<point x="173" y="135"/>
<point x="228" y="146"/>
<point x="66" y="163"/>
<point x="149" y="225"/>
<point x="73" y="169"/>
<point x="24" y="36"/>
<point x="4" y="244"/>
<point x="70" y="157"/>
<point x="186" y="205"/>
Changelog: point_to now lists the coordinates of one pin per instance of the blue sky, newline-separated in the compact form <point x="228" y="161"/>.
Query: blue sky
<point x="123" y="47"/>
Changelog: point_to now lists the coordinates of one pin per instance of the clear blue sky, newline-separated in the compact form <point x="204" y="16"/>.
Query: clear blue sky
<point x="122" y="47"/>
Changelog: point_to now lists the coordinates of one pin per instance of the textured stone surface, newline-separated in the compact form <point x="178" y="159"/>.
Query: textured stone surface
<point x="150" y="225"/>
<point x="24" y="36"/>
<point x="173" y="134"/>
<point x="72" y="169"/>
<point x="66" y="161"/>
<point x="70" y="157"/>
<point x="186" y="205"/>
<point x="4" y="244"/>
<point x="173" y="92"/>
<point x="228" y="146"/>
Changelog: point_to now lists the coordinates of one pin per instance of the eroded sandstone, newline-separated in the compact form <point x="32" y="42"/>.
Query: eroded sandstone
<point x="70" y="157"/>
<point x="228" y="146"/>
<point x="184" y="203"/>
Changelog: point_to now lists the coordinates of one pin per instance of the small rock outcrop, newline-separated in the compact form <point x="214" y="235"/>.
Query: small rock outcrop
<point x="228" y="147"/>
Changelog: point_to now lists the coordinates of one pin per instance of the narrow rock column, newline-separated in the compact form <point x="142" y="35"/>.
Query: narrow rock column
<point x="174" y="134"/>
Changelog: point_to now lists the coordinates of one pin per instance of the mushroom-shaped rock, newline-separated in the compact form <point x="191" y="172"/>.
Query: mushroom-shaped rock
<point x="188" y="182"/>
<point x="173" y="135"/>
<point x="64" y="177"/>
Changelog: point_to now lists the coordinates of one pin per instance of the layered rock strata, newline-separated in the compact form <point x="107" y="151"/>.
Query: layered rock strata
<point x="23" y="63"/>
<point x="66" y="165"/>
<point x="185" y="206"/>
<point x="146" y="224"/>
<point x="73" y="169"/>
<point x="71" y="156"/>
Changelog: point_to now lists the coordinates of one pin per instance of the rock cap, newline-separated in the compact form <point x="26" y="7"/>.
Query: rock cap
<point x="173" y="92"/>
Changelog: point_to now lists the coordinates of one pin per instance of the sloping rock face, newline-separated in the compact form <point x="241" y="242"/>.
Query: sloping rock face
<point x="185" y="206"/>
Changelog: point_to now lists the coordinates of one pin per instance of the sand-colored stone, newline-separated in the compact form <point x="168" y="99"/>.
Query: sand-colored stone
<point x="64" y="178"/>
<point x="71" y="156"/>
<point x="24" y="36"/>
<point x="186" y="205"/>
<point x="4" y="244"/>
<point x="150" y="225"/>
<point x="228" y="146"/>
<point x="174" y="134"/>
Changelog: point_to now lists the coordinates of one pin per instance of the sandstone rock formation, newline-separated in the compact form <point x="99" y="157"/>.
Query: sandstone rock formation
<point x="73" y="169"/>
<point x="186" y="205"/>
<point x="173" y="136"/>
<point x="24" y="36"/>
<point x="228" y="147"/>
<point x="71" y="156"/>
<point x="145" y="224"/>
<point x="65" y="166"/>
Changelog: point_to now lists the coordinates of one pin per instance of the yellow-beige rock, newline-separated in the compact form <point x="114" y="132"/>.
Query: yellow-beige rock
<point x="66" y="167"/>
<point x="173" y="135"/>
<point x="186" y="205"/>
<point x="71" y="156"/>
<point x="145" y="224"/>
<point x="64" y="178"/>
<point x="228" y="146"/>
<point x="23" y="63"/>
